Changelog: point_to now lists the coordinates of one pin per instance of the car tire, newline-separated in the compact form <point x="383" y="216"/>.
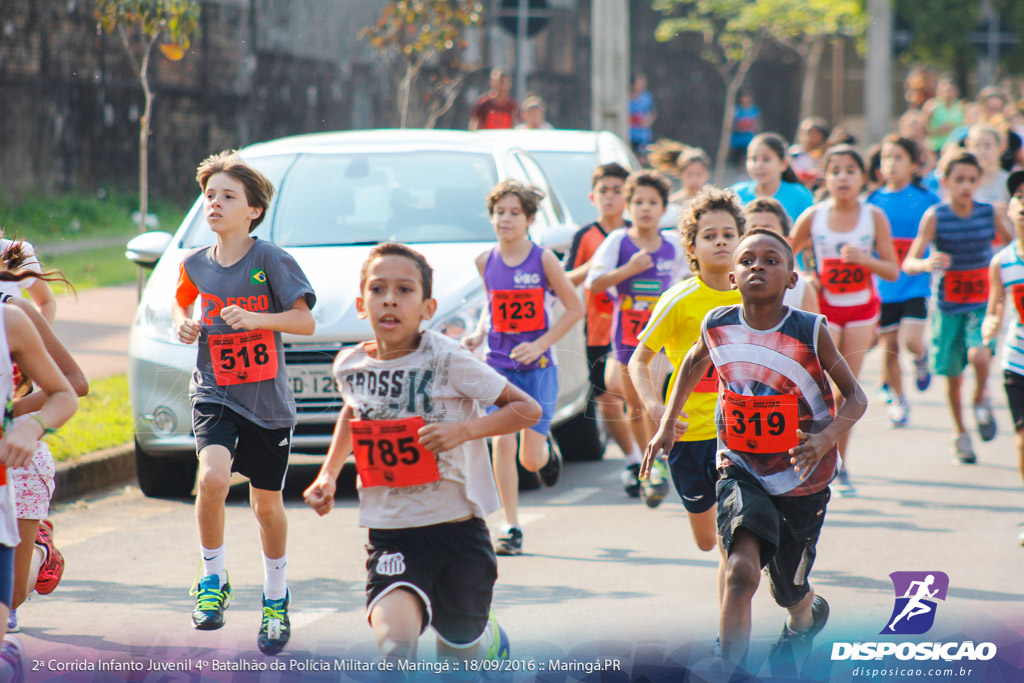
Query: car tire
<point x="580" y="439"/>
<point x="165" y="477"/>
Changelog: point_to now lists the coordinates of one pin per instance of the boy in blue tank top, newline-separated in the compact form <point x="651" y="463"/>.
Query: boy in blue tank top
<point x="520" y="277"/>
<point x="962" y="231"/>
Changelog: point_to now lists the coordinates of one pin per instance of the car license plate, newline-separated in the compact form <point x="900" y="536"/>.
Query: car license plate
<point x="312" y="381"/>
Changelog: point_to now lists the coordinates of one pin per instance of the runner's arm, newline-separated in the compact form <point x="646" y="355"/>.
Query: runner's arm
<point x="994" y="309"/>
<point x="320" y="494"/>
<point x="694" y="367"/>
<point x="43" y="297"/>
<point x="915" y="263"/>
<point x="297" y="320"/>
<point x="516" y="411"/>
<point x="528" y="352"/>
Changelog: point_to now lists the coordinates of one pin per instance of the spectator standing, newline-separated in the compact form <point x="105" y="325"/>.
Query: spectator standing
<point x="534" y="110"/>
<point x="496" y="108"/>
<point x="641" y="116"/>
<point x="746" y="124"/>
<point x="943" y="114"/>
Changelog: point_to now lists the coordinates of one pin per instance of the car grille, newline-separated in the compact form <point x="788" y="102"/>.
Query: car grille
<point x="319" y="359"/>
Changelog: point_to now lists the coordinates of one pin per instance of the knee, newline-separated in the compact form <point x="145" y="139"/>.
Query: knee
<point x="742" y="575"/>
<point x="705" y="543"/>
<point x="214" y="483"/>
<point x="268" y="511"/>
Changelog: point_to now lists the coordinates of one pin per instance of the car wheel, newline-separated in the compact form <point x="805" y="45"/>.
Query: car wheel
<point x="579" y="438"/>
<point x="165" y="477"/>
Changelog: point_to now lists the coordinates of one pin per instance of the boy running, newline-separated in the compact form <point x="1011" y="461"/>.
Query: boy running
<point x="711" y="227"/>
<point x="962" y="231"/>
<point x="413" y="413"/>
<point x="607" y="195"/>
<point x="1006" y="279"/>
<point x="777" y="434"/>
<point x="242" y="406"/>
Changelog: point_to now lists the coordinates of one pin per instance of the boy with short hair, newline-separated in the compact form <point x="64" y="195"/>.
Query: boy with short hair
<point x="413" y="414"/>
<point x="1006" y="280"/>
<point x="962" y="231"/>
<point x="242" y="404"/>
<point x="711" y="228"/>
<point x="777" y="434"/>
<point x="607" y="195"/>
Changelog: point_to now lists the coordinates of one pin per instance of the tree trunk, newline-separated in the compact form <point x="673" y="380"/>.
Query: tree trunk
<point x="147" y="112"/>
<point x="812" y="60"/>
<point x="404" y="93"/>
<point x="733" y="82"/>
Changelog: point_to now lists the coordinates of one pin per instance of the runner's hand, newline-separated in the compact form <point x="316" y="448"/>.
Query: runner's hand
<point x="528" y="352"/>
<point x="939" y="260"/>
<point x="660" y="445"/>
<point x="19" y="444"/>
<point x="640" y="261"/>
<point x="443" y="436"/>
<point x="472" y="341"/>
<point x="852" y="254"/>
<point x="188" y="331"/>
<point x="320" y="494"/>
<point x="989" y="328"/>
<point x="808" y="453"/>
<point x="239" y="318"/>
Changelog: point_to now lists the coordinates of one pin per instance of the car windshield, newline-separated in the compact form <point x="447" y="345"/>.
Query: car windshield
<point x="570" y="172"/>
<point x="410" y="197"/>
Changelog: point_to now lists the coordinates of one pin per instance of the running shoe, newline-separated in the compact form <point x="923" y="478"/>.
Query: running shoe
<point x="631" y="480"/>
<point x="52" y="568"/>
<point x="499" y="639"/>
<point x="985" y="420"/>
<point x="510" y="542"/>
<point x="211" y="601"/>
<point x="843" y="488"/>
<point x="12" y="622"/>
<point x="921" y="373"/>
<point x="13" y="655"/>
<point x="963" y="451"/>
<point x="276" y="628"/>
<point x="654" y="488"/>
<point x="899" y="413"/>
<point x="550" y="473"/>
<point x="884" y="396"/>
<point x="793" y="647"/>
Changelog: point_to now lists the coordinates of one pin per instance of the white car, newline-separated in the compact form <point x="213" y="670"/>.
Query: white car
<point x="338" y="194"/>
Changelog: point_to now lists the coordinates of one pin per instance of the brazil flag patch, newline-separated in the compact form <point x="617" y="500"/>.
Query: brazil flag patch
<point x="258" y="276"/>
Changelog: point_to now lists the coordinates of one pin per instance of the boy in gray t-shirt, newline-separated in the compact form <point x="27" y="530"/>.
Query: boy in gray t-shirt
<point x="243" y="411"/>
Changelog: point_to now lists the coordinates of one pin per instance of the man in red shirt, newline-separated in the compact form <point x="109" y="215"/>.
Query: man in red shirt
<point x="496" y="109"/>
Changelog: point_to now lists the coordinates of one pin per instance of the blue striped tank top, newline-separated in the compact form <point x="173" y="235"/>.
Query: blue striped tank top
<point x="968" y="241"/>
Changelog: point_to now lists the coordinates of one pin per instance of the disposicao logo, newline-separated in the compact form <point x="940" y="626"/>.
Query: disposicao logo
<point x="916" y="596"/>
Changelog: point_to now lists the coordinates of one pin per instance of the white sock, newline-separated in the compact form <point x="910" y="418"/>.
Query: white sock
<point x="633" y="457"/>
<point x="213" y="563"/>
<point x="38" y="557"/>
<point x="275" y="585"/>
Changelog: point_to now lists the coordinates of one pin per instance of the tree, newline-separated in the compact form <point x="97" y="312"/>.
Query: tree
<point x="731" y="40"/>
<point x="415" y="34"/>
<point x="140" y="24"/>
<point x="805" y="28"/>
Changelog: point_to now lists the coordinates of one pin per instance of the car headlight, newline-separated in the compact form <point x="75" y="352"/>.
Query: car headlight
<point x="156" y="322"/>
<point x="464" y="319"/>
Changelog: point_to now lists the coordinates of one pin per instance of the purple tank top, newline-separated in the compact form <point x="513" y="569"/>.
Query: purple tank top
<point x="517" y="299"/>
<point x="638" y="294"/>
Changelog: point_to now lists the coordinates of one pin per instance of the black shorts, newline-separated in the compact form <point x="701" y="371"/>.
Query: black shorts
<point x="451" y="567"/>
<point x="259" y="453"/>
<point x="692" y="464"/>
<point x="1014" y="385"/>
<point x="893" y="313"/>
<point x="597" y="361"/>
<point x="787" y="526"/>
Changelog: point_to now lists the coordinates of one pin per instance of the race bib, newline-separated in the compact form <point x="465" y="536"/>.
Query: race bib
<point x="708" y="384"/>
<point x="760" y="424"/>
<point x="633" y="322"/>
<point x="389" y="453"/>
<point x="243" y="357"/>
<point x="517" y="310"/>
<point x="966" y="286"/>
<point x="840" y="277"/>
<point x="1017" y="292"/>
<point x="901" y="246"/>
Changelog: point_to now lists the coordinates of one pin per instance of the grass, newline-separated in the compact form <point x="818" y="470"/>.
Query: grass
<point x="91" y="268"/>
<point x="103" y="420"/>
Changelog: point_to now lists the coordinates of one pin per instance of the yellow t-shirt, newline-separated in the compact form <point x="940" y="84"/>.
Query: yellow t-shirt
<point x="675" y="326"/>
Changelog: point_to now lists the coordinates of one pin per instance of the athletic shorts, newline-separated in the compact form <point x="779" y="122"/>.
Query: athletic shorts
<point x="33" y="484"/>
<point x="953" y="335"/>
<point x="542" y="386"/>
<point x="787" y="526"/>
<point x="893" y="313"/>
<point x="849" y="316"/>
<point x="259" y="453"/>
<point x="450" y="567"/>
<point x="692" y="464"/>
<point x="6" y="575"/>
<point x="597" y="361"/>
<point x="1014" y="385"/>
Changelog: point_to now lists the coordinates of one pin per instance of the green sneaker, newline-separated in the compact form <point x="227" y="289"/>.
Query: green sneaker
<point x="211" y="601"/>
<point x="276" y="628"/>
<point x="499" y="640"/>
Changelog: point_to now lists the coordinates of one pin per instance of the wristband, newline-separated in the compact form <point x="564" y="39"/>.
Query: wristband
<point x="46" y="430"/>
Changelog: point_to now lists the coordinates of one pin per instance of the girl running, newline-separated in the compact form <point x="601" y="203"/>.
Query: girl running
<point x="845" y="233"/>
<point x="905" y="302"/>
<point x="771" y="176"/>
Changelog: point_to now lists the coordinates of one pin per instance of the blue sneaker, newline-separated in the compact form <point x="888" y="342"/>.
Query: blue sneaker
<point x="276" y="627"/>
<point x="884" y="396"/>
<point x="499" y="640"/>
<point x="13" y="655"/>
<point x="12" y="622"/>
<point x="899" y="413"/>
<point x="921" y="373"/>
<point x="211" y="601"/>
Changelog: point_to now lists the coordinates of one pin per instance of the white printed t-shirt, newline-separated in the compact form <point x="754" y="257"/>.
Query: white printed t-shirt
<point x="440" y="382"/>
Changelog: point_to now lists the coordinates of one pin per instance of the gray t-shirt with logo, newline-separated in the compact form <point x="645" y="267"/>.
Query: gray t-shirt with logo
<point x="243" y="369"/>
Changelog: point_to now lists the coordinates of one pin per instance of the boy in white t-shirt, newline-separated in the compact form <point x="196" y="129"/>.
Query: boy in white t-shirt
<point x="414" y="419"/>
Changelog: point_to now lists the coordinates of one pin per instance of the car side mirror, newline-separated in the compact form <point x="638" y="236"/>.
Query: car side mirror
<point x="146" y="249"/>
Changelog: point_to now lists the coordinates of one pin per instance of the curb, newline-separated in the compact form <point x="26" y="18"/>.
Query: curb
<point x="94" y="471"/>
